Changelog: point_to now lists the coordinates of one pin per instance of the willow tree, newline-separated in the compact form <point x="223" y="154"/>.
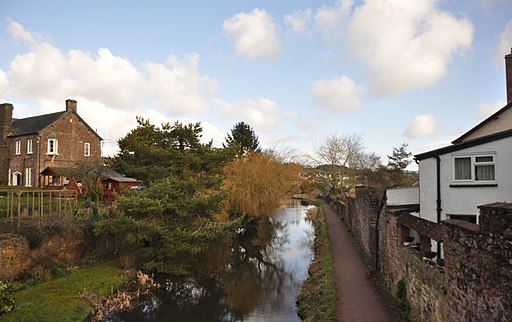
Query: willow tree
<point x="257" y="183"/>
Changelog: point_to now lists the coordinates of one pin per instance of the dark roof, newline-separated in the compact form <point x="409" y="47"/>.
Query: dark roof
<point x="421" y="226"/>
<point x="464" y="145"/>
<point x="493" y="117"/>
<point x="34" y="124"/>
<point x="105" y="172"/>
<point x="113" y="175"/>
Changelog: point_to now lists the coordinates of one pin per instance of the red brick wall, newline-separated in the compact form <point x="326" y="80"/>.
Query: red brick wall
<point x="71" y="134"/>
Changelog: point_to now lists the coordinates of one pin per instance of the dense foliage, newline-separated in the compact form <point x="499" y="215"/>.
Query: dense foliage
<point x="257" y="182"/>
<point x="6" y="299"/>
<point x="196" y="194"/>
<point x="243" y="138"/>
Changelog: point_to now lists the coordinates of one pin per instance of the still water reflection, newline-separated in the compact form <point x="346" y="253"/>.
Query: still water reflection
<point x="256" y="277"/>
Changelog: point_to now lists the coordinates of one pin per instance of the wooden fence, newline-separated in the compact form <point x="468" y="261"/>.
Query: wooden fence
<point x="36" y="204"/>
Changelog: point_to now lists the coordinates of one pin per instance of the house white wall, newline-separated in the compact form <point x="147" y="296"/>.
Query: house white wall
<point x="403" y="196"/>
<point x="465" y="200"/>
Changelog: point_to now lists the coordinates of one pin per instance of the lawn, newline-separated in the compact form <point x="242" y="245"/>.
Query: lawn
<point x="58" y="299"/>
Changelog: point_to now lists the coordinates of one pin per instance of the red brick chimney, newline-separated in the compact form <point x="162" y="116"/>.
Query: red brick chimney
<point x="5" y="130"/>
<point x="508" y="75"/>
<point x="71" y="105"/>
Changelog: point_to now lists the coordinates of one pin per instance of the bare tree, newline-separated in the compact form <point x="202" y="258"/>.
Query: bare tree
<point x="337" y="155"/>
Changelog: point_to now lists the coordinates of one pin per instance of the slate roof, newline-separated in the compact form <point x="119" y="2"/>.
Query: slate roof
<point x="421" y="226"/>
<point x="34" y="124"/>
<point x="113" y="175"/>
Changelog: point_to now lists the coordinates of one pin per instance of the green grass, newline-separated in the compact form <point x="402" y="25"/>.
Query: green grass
<point x="57" y="299"/>
<point x="317" y="299"/>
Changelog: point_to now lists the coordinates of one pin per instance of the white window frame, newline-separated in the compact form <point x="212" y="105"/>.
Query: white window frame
<point x="18" y="147"/>
<point x="474" y="164"/>
<point x="30" y="146"/>
<point x="19" y="176"/>
<point x="28" y="177"/>
<point x="87" y="149"/>
<point x="55" y="150"/>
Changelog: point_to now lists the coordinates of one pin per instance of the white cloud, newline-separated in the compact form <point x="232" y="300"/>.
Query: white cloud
<point x="179" y="87"/>
<point x="260" y="113"/>
<point x="18" y="32"/>
<point x="255" y="35"/>
<point x="487" y="109"/>
<point x="422" y="125"/>
<point x="299" y="20"/>
<point x="327" y="18"/>
<point x="110" y="90"/>
<point x="340" y="94"/>
<point x="4" y="82"/>
<point x="47" y="72"/>
<point x="300" y="122"/>
<point x="504" y="44"/>
<point x="405" y="44"/>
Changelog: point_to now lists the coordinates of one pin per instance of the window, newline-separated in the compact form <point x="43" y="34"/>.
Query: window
<point x="87" y="149"/>
<point x="479" y="168"/>
<point x="28" y="177"/>
<point x="53" y="146"/>
<point x="18" y="147"/>
<point x="29" y="146"/>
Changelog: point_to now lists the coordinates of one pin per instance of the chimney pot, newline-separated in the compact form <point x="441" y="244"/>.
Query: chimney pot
<point x="71" y="105"/>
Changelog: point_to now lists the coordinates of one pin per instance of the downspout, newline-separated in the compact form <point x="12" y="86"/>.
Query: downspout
<point x="438" y="201"/>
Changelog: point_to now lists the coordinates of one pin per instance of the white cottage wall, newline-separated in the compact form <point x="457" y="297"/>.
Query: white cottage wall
<point x="465" y="200"/>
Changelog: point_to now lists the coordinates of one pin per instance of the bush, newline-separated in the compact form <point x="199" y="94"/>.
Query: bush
<point x="6" y="299"/>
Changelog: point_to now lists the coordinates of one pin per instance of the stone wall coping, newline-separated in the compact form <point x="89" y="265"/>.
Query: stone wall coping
<point x="462" y="225"/>
<point x="497" y="205"/>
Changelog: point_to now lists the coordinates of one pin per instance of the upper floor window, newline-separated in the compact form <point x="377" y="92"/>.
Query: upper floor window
<point x="87" y="149"/>
<point x="475" y="168"/>
<point x="53" y="146"/>
<point x="29" y="146"/>
<point x="18" y="147"/>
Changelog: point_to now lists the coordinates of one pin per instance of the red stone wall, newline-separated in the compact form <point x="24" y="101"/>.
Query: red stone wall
<point x="475" y="283"/>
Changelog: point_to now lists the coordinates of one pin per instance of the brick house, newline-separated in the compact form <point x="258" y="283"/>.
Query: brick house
<point x="31" y="146"/>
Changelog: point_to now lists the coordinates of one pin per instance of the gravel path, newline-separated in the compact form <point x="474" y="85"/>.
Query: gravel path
<point x="358" y="298"/>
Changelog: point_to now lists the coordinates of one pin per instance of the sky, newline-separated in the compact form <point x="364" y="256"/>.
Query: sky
<point x="418" y="72"/>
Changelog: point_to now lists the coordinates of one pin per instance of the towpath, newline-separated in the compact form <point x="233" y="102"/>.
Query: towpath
<point x="358" y="298"/>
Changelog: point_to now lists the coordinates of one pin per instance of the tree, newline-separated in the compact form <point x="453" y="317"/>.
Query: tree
<point x="242" y="136"/>
<point x="400" y="158"/>
<point x="339" y="156"/>
<point x="256" y="184"/>
<point x="398" y="161"/>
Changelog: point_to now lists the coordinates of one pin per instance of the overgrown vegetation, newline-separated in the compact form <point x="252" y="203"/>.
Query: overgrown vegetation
<point x="58" y="299"/>
<point x="317" y="299"/>
<point x="403" y="303"/>
<point x="6" y="299"/>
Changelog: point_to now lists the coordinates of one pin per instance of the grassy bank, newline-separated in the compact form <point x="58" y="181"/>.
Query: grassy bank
<point x="317" y="299"/>
<point x="58" y="299"/>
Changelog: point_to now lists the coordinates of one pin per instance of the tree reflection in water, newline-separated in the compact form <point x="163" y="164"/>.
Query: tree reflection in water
<point x="232" y="280"/>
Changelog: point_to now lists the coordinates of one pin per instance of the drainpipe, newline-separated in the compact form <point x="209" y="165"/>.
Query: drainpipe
<point x="438" y="201"/>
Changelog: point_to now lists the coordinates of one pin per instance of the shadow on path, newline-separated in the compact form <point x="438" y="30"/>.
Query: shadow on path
<point x="358" y="298"/>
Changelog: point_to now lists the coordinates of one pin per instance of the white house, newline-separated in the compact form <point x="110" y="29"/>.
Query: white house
<point x="475" y="170"/>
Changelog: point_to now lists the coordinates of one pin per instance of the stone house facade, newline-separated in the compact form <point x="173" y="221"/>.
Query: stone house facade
<point x="33" y="148"/>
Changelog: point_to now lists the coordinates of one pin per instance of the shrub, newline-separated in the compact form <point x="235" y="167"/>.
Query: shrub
<point x="6" y="299"/>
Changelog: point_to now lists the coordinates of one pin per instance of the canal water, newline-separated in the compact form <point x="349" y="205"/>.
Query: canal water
<point x="256" y="277"/>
